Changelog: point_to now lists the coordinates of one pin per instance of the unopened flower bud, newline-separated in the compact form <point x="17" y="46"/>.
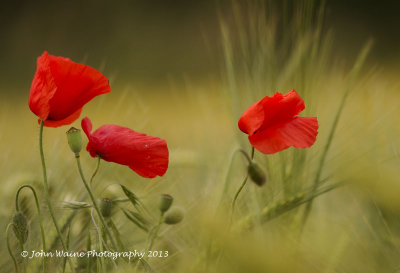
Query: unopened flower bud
<point x="74" y="137"/>
<point x="106" y="206"/>
<point x="256" y="174"/>
<point x="20" y="226"/>
<point x="165" y="202"/>
<point x="173" y="216"/>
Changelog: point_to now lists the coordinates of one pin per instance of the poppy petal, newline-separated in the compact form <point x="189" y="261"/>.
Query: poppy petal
<point x="66" y="121"/>
<point x="76" y="83"/>
<point x="252" y="118"/>
<point x="155" y="161"/>
<point x="270" y="110"/>
<point x="299" y="132"/>
<point x="146" y="155"/>
<point x="279" y="108"/>
<point x="86" y="124"/>
<point x="43" y="88"/>
<point x="61" y="87"/>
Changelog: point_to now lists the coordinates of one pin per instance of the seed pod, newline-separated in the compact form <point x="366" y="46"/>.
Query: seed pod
<point x="20" y="226"/>
<point x="256" y="174"/>
<point x="106" y="206"/>
<point x="74" y="137"/>
<point x="173" y="216"/>
<point x="165" y="202"/>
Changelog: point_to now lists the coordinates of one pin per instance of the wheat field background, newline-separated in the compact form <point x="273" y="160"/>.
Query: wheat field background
<point x="263" y="47"/>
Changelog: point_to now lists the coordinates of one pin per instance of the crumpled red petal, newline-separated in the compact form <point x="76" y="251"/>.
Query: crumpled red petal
<point x="61" y="87"/>
<point x="76" y="83"/>
<point x="272" y="124"/>
<point x="86" y="124"/>
<point x="300" y="132"/>
<point x="279" y="108"/>
<point x="66" y="121"/>
<point x="252" y="118"/>
<point x="146" y="155"/>
<point x="43" y="88"/>
<point x="270" y="110"/>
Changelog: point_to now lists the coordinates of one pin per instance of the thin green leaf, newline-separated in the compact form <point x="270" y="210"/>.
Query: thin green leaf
<point x="116" y="234"/>
<point x="67" y="245"/>
<point x="75" y="205"/>
<point x="277" y="209"/>
<point x="134" y="220"/>
<point x="131" y="196"/>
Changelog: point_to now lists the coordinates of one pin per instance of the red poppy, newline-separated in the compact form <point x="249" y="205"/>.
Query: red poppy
<point x="273" y="125"/>
<point x="146" y="155"/>
<point x="61" y="88"/>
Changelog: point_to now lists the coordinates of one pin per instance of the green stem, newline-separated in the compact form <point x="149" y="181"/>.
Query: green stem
<point x="21" y="246"/>
<point x="78" y="161"/>
<point x="244" y="181"/>
<point x="155" y="231"/>
<point x="152" y="236"/>
<point x="46" y="193"/>
<point x="226" y="183"/>
<point x="95" y="171"/>
<point x="9" y="248"/>
<point x="39" y="216"/>
<point x="88" y="247"/>
<point x="237" y="194"/>
<point x="353" y="74"/>
<point x="102" y="261"/>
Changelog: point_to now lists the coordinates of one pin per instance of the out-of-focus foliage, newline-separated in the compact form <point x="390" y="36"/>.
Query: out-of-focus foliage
<point x="265" y="48"/>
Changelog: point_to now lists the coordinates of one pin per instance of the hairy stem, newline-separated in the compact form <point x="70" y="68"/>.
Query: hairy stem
<point x="103" y="222"/>
<point x="46" y="194"/>
<point x="154" y="232"/>
<point x="244" y="181"/>
<point x="39" y="216"/>
<point x="95" y="171"/>
<point x="9" y="248"/>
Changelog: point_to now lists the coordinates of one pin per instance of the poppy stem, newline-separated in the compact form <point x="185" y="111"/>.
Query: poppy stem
<point x="9" y="248"/>
<point x="228" y="171"/>
<point x="96" y="170"/>
<point x="237" y="194"/>
<point x="244" y="181"/>
<point x="39" y="216"/>
<point x="154" y="232"/>
<point x="46" y="194"/>
<point x="103" y="222"/>
<point x="21" y="246"/>
<point x="246" y="155"/>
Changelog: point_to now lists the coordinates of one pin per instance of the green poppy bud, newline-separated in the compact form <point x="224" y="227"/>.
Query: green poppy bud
<point x="165" y="202"/>
<point x="74" y="137"/>
<point x="106" y="206"/>
<point x="256" y="174"/>
<point x="20" y="226"/>
<point x="173" y="216"/>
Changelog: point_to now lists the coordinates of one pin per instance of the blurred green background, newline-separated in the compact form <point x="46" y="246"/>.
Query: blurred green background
<point x="151" y="42"/>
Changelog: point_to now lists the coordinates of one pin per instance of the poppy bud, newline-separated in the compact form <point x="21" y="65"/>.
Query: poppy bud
<point x="165" y="202"/>
<point x="20" y="226"/>
<point x="106" y="206"/>
<point x="75" y="140"/>
<point x="173" y="216"/>
<point x="257" y="175"/>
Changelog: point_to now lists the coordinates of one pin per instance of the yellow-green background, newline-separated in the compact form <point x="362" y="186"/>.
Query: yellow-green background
<point x="185" y="71"/>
